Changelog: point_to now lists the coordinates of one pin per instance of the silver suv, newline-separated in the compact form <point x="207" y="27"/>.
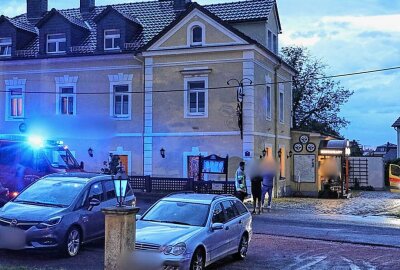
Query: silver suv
<point x="191" y="231"/>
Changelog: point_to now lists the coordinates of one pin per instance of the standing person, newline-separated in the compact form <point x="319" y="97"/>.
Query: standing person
<point x="256" y="192"/>
<point x="240" y="182"/>
<point x="267" y="182"/>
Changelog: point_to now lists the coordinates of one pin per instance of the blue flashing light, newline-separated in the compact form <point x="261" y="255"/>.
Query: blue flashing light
<point x="36" y="141"/>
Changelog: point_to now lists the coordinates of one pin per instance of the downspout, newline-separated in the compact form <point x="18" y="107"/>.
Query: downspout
<point x="276" y="122"/>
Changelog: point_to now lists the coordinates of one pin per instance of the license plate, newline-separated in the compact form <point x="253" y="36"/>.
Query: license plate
<point x="12" y="238"/>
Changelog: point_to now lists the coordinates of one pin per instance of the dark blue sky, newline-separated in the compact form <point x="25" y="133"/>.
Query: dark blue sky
<point x="347" y="35"/>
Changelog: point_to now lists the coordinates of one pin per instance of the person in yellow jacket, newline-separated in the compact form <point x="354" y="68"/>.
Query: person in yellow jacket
<point x="240" y="182"/>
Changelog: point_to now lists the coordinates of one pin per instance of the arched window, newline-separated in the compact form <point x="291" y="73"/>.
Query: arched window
<point x="197" y="35"/>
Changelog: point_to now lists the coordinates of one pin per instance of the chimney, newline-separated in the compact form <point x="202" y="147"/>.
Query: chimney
<point x="87" y="5"/>
<point x="180" y="5"/>
<point x="36" y="9"/>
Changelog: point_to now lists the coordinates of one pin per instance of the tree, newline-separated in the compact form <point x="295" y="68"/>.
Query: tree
<point x="316" y="100"/>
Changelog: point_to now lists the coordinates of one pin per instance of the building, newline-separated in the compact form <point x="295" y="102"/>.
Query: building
<point x="134" y="79"/>
<point x="387" y="151"/>
<point x="396" y="126"/>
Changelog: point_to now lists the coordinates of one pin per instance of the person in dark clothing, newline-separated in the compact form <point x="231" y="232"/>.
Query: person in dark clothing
<point x="256" y="193"/>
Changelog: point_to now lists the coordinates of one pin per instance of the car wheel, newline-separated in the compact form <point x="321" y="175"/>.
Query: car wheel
<point x="243" y="247"/>
<point x="198" y="260"/>
<point x="72" y="242"/>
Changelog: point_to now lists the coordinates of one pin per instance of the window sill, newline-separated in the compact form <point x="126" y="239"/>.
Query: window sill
<point x="122" y="118"/>
<point x="16" y="119"/>
<point x="193" y="115"/>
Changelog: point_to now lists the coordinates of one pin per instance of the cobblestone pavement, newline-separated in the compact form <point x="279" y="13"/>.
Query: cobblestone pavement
<point x="364" y="203"/>
<point x="275" y="252"/>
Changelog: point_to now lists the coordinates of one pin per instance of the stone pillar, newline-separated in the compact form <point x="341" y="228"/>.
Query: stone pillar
<point x="120" y="235"/>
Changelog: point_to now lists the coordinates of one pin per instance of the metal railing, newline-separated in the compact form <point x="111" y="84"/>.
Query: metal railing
<point x="167" y="185"/>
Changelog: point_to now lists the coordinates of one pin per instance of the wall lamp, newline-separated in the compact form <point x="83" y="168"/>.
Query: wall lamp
<point x="280" y="153"/>
<point x="290" y="154"/>
<point x="90" y="151"/>
<point x="162" y="152"/>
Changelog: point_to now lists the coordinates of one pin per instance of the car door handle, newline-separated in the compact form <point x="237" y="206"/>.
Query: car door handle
<point x="227" y="228"/>
<point x="240" y="221"/>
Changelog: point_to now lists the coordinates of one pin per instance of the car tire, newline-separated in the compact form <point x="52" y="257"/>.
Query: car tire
<point x="198" y="260"/>
<point x="243" y="248"/>
<point x="72" y="242"/>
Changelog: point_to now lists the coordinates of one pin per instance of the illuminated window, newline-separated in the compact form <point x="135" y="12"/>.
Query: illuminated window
<point x="282" y="165"/>
<point x="56" y="43"/>
<point x="5" y="46"/>
<point x="121" y="101"/>
<point x="112" y="39"/>
<point x="67" y="101"/>
<point x="16" y="102"/>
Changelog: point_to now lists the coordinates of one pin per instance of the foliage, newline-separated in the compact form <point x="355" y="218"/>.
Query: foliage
<point x="356" y="149"/>
<point x="316" y="99"/>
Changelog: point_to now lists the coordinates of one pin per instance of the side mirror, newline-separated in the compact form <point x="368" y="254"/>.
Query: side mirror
<point x="138" y="217"/>
<point x="82" y="165"/>
<point x="93" y="202"/>
<point x="217" y="226"/>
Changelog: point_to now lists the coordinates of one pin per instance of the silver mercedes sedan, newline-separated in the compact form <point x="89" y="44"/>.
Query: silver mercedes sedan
<point x="191" y="231"/>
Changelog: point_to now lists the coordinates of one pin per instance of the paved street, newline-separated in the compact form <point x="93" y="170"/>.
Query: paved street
<point x="283" y="239"/>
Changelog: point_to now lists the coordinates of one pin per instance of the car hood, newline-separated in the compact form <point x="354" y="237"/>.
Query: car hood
<point x="28" y="212"/>
<point x="164" y="233"/>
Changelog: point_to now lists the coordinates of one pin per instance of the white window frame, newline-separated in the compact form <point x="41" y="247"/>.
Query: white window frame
<point x="187" y="113"/>
<point x="9" y="97"/>
<point x="8" y="46"/>
<point x="112" y="37"/>
<point x="268" y="88"/>
<point x="68" y="95"/>
<point x="122" y="94"/>
<point x="121" y="79"/>
<point x="281" y="106"/>
<point x="60" y="95"/>
<point x="272" y="44"/>
<point x="190" y="34"/>
<point x="57" y="42"/>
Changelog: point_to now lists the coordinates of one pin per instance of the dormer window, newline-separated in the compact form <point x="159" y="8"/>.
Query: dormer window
<point x="5" y="47"/>
<point x="196" y="35"/>
<point x="272" y="42"/>
<point x="112" y="39"/>
<point x="56" y="43"/>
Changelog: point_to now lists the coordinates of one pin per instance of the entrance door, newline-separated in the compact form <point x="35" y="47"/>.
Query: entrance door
<point x="124" y="161"/>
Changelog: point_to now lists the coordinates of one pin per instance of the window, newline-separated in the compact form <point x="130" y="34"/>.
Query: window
<point x="109" y="190"/>
<point x="112" y="39"/>
<point x="197" y="36"/>
<point x="5" y="46"/>
<point x="272" y="42"/>
<point x="230" y="211"/>
<point x="95" y="192"/>
<point x="197" y="98"/>
<point x="56" y="43"/>
<point x="281" y="106"/>
<point x="218" y="214"/>
<point x="282" y="165"/>
<point x="240" y="207"/>
<point x="268" y="104"/>
<point x="16" y="102"/>
<point x="121" y="100"/>
<point x="67" y="100"/>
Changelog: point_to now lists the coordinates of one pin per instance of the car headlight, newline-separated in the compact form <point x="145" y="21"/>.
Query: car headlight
<point x="49" y="223"/>
<point x="175" y="250"/>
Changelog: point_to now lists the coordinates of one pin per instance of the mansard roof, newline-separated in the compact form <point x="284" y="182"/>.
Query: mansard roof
<point x="153" y="16"/>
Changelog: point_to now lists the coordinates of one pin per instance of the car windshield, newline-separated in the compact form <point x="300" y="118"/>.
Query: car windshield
<point x="60" y="158"/>
<point x="178" y="213"/>
<point x="50" y="192"/>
